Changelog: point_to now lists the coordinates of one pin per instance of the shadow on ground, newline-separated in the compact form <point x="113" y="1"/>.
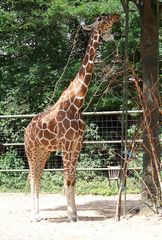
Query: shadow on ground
<point x="93" y="210"/>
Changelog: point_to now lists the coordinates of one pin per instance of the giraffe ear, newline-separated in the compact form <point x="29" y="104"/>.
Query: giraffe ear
<point x="93" y="25"/>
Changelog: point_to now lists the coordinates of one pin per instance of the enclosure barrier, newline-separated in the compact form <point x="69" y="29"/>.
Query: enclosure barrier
<point x="103" y="137"/>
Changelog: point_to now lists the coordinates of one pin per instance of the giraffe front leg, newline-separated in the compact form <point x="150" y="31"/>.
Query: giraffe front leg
<point x="70" y="195"/>
<point x="69" y="185"/>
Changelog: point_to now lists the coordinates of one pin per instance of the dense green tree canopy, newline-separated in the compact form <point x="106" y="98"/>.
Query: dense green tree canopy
<point x="36" y="39"/>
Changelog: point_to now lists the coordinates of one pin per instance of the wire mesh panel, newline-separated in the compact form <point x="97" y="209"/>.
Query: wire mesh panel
<point x="101" y="147"/>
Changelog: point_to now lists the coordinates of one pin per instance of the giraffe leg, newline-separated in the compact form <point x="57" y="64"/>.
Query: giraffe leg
<point x="70" y="195"/>
<point x="34" y="186"/>
<point x="69" y="160"/>
<point x="36" y="166"/>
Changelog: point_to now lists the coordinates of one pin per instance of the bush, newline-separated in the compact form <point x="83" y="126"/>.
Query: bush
<point x="12" y="180"/>
<point x="11" y="160"/>
<point x="52" y="182"/>
<point x="98" y="186"/>
<point x="94" y="155"/>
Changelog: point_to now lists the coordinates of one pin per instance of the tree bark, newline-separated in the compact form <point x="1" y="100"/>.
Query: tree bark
<point x="149" y="46"/>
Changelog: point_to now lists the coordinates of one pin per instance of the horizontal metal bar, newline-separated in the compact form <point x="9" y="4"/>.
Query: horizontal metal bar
<point x="14" y="170"/>
<point x="89" y="142"/>
<point x="61" y="169"/>
<point x="84" y="142"/>
<point x="13" y="144"/>
<point x="84" y="113"/>
<point x="17" y="116"/>
<point x="111" y="112"/>
<point x="111" y="141"/>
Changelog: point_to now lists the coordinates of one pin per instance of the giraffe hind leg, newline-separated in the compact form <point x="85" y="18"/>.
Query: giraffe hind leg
<point x="36" y="166"/>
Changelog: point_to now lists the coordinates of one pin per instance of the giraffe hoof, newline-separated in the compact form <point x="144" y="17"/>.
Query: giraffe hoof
<point x="36" y="218"/>
<point x="73" y="219"/>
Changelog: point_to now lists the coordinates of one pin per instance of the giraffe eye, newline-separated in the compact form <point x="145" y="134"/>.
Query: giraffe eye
<point x="99" y="19"/>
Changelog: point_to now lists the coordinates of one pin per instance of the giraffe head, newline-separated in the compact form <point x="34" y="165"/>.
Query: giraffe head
<point x="102" y="24"/>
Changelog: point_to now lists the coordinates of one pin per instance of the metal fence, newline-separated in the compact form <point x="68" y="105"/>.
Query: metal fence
<point x="102" y="140"/>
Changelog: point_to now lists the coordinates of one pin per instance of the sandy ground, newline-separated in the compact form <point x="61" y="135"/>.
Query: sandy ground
<point x="96" y="219"/>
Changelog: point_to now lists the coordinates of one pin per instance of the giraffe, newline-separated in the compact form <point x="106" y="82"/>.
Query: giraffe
<point x="61" y="127"/>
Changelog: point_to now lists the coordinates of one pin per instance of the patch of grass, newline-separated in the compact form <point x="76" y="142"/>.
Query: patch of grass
<point x="133" y="186"/>
<point x="52" y="182"/>
<point x="13" y="182"/>
<point x="97" y="186"/>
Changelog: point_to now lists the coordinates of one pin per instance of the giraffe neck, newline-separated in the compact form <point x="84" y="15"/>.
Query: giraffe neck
<point x="83" y="77"/>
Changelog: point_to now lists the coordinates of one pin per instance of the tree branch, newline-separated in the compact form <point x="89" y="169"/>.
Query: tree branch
<point x="123" y="3"/>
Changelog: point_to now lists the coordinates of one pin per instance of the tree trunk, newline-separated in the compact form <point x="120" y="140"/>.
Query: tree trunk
<point x="149" y="14"/>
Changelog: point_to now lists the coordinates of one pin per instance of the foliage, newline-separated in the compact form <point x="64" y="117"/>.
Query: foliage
<point x="52" y="182"/>
<point x="100" y="186"/>
<point x="12" y="180"/>
<point x="10" y="160"/>
<point x="34" y="35"/>
<point x="97" y="186"/>
<point x="94" y="155"/>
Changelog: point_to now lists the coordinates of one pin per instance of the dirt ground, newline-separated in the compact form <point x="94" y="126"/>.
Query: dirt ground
<point x="95" y="213"/>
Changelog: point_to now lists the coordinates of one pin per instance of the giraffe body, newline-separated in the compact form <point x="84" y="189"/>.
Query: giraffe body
<point x="61" y="126"/>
